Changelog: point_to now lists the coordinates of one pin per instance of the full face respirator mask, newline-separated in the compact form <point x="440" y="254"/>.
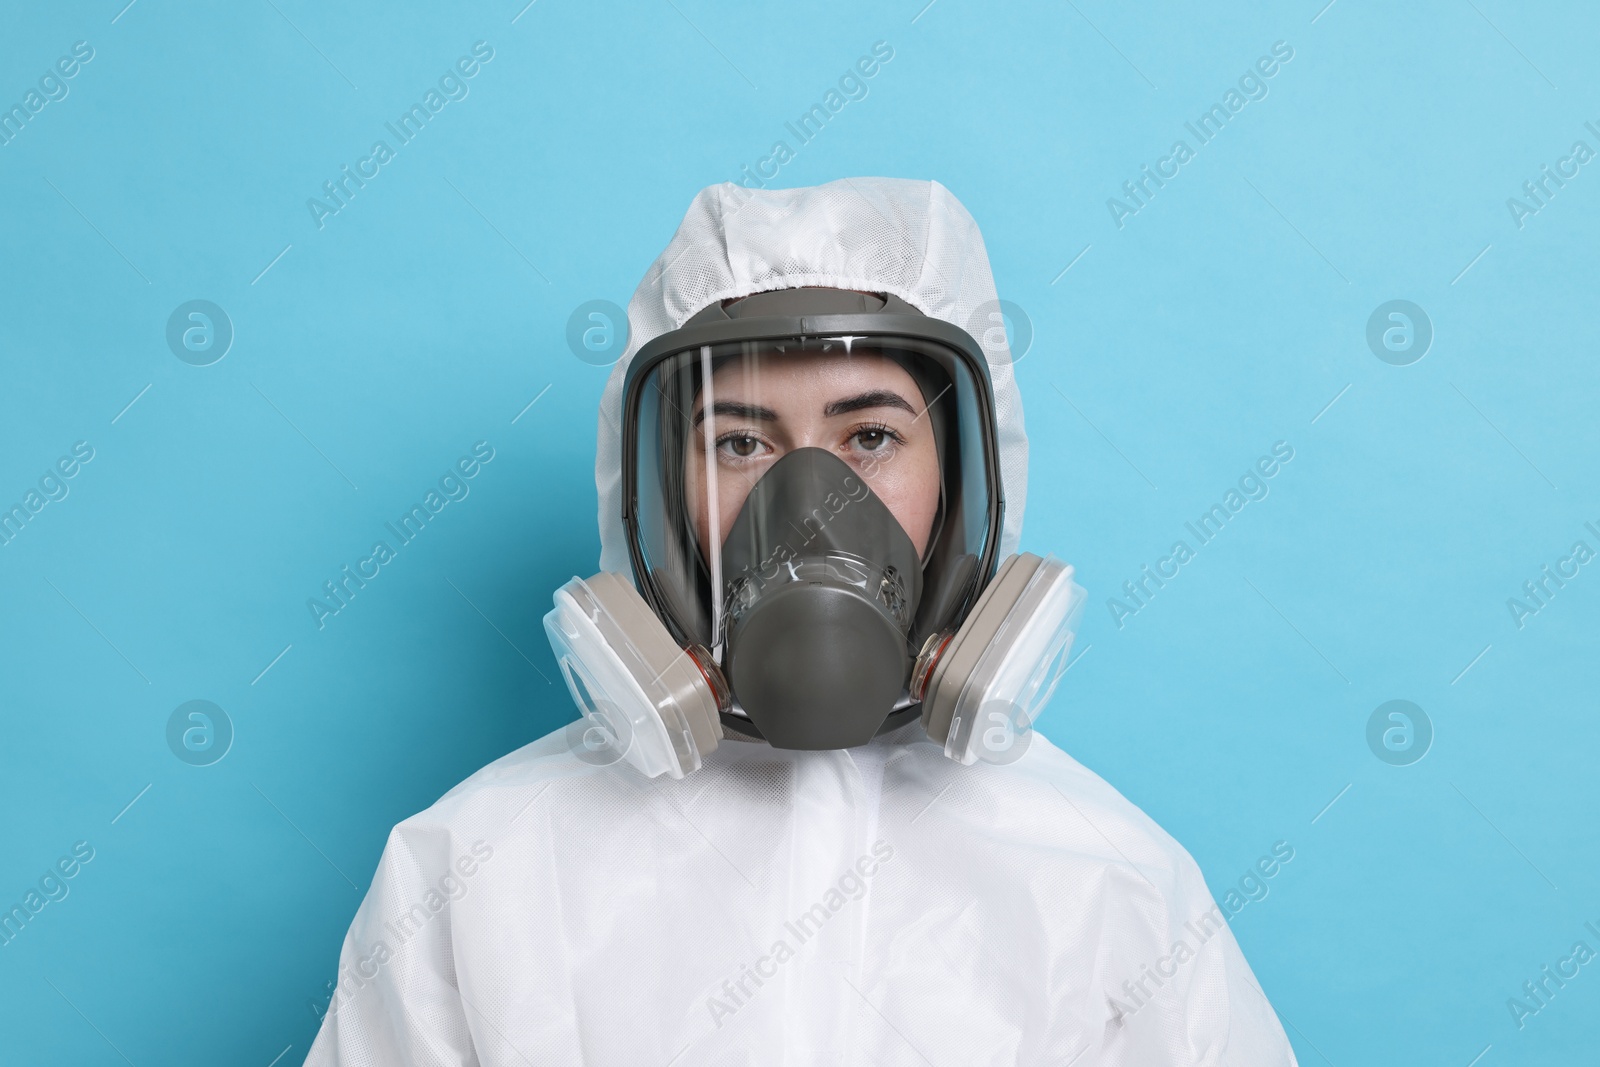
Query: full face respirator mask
<point x="812" y="501"/>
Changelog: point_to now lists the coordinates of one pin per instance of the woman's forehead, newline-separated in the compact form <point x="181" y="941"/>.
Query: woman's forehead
<point x="789" y="373"/>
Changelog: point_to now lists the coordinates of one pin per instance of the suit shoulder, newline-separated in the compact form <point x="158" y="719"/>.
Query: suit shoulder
<point x="1109" y="822"/>
<point x="502" y="786"/>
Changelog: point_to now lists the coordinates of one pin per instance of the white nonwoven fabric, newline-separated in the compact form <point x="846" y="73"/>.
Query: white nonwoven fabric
<point x="881" y="235"/>
<point x="880" y="905"/>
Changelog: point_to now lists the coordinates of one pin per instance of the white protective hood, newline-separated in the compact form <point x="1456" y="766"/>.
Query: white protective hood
<point x="880" y="905"/>
<point x="881" y="235"/>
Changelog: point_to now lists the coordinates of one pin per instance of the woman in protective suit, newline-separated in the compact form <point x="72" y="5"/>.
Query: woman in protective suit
<point x="804" y="818"/>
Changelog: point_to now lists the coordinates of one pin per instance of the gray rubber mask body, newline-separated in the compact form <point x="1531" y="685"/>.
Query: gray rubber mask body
<point x="822" y="584"/>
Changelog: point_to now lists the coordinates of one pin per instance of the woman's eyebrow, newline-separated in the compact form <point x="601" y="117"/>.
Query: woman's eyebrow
<point x="877" y="398"/>
<point x="734" y="409"/>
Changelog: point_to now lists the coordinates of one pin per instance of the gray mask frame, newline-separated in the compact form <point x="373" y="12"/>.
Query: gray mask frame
<point x="817" y="313"/>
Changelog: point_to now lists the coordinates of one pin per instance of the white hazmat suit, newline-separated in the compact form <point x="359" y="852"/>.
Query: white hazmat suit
<point x="878" y="905"/>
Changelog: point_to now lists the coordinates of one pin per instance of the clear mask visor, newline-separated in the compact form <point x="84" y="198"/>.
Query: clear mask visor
<point x="906" y="416"/>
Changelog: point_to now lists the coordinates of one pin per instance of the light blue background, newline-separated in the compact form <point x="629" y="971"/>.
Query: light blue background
<point x="1225" y="316"/>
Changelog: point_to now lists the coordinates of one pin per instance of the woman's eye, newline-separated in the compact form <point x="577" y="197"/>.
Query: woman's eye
<point x="872" y="440"/>
<point x="743" y="447"/>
